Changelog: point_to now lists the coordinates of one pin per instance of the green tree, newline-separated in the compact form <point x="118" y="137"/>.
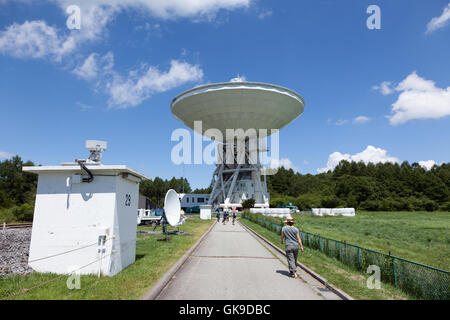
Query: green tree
<point x="249" y="203"/>
<point x="16" y="187"/>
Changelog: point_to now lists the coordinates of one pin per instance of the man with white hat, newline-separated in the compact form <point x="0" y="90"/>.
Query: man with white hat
<point x="292" y="236"/>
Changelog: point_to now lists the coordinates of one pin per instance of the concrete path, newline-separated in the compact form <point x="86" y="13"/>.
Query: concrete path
<point x="232" y="264"/>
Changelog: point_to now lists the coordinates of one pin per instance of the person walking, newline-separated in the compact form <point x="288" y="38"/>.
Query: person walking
<point x="225" y="217"/>
<point x="291" y="235"/>
<point x="234" y="215"/>
<point x="218" y="216"/>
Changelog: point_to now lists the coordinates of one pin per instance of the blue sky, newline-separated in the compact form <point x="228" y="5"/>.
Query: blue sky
<point x="114" y="78"/>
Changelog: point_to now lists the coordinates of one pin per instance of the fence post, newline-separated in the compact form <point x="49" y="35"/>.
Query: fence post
<point x="337" y="248"/>
<point x="320" y="243"/>
<point x="393" y="270"/>
<point x="359" y="258"/>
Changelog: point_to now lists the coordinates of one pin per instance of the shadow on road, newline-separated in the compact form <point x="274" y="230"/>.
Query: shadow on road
<point x="284" y="273"/>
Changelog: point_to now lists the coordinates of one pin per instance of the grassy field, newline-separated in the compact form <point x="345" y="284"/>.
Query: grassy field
<point x="419" y="236"/>
<point x="153" y="259"/>
<point x="338" y="274"/>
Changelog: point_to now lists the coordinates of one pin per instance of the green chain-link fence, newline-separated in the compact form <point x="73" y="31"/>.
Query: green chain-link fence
<point x="419" y="280"/>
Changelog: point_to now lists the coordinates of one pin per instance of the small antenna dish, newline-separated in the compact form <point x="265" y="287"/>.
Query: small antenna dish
<point x="172" y="216"/>
<point x="172" y="208"/>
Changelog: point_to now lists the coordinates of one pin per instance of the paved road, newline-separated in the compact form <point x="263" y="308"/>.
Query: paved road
<point x="231" y="263"/>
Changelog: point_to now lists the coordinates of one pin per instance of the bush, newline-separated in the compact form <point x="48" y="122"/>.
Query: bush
<point x="307" y="201"/>
<point x="23" y="213"/>
<point x="431" y="205"/>
<point x="249" y="203"/>
<point x="7" y="216"/>
<point x="370" y="205"/>
<point x="330" y="202"/>
<point x="275" y="202"/>
<point x="445" y="207"/>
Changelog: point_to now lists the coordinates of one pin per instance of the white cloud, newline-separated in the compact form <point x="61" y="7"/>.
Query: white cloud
<point x="285" y="162"/>
<point x="419" y="99"/>
<point x="439" y="22"/>
<point x="264" y="14"/>
<point x="427" y="165"/>
<point x="34" y="39"/>
<point x="239" y="79"/>
<point x="384" y="88"/>
<point x="370" y="154"/>
<point x="5" y="155"/>
<point x="141" y="84"/>
<point x="341" y="122"/>
<point x="85" y="107"/>
<point x="96" y="14"/>
<point x="89" y="69"/>
<point x="93" y="65"/>
<point x="361" y="119"/>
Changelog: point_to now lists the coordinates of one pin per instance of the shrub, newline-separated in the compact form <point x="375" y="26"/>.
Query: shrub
<point x="23" y="213"/>
<point x="370" y="205"/>
<point x="6" y="215"/>
<point x="249" y="203"/>
<point x="330" y="202"/>
<point x="431" y="205"/>
<point x="275" y="202"/>
<point x="307" y="201"/>
<point x="445" y="207"/>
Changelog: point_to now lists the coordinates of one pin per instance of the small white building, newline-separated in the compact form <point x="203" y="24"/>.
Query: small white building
<point x="205" y="212"/>
<point x="193" y="199"/>
<point x="82" y="225"/>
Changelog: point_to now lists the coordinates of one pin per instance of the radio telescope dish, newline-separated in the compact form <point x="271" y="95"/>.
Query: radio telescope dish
<point x="242" y="105"/>
<point x="251" y="107"/>
<point x="172" y="208"/>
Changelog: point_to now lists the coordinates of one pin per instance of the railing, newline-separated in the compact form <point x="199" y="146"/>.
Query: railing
<point x="414" y="278"/>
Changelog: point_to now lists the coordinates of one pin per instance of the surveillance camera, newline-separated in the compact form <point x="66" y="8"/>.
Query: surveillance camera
<point x="96" y="145"/>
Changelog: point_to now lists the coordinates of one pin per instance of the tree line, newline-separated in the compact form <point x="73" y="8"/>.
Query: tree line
<point x="372" y="187"/>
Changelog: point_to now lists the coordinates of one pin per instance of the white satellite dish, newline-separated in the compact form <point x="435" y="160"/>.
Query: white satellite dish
<point x="172" y="208"/>
<point x="172" y="216"/>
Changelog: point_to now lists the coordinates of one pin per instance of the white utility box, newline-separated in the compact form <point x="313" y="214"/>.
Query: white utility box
<point x="85" y="226"/>
<point x="205" y="212"/>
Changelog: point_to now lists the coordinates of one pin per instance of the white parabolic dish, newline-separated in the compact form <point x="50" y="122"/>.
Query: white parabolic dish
<point x="238" y="105"/>
<point x="172" y="207"/>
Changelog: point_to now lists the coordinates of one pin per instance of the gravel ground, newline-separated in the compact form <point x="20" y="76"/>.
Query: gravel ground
<point x="14" y="247"/>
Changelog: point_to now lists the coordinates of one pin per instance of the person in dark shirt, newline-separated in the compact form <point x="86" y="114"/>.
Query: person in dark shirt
<point x="234" y="215"/>
<point x="290" y="234"/>
<point x="225" y="217"/>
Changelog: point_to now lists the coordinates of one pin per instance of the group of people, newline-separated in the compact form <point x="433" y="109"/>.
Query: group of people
<point x="226" y="217"/>
<point x="290" y="236"/>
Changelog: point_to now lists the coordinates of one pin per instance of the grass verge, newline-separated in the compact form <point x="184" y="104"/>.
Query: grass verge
<point x="153" y="259"/>
<point x="339" y="275"/>
<point x="419" y="236"/>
